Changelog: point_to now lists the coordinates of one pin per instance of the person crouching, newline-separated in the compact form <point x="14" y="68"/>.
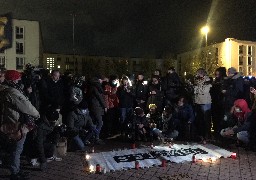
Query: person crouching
<point x="80" y="126"/>
<point x="240" y="118"/>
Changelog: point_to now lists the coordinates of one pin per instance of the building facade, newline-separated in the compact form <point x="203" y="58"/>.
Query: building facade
<point x="91" y="65"/>
<point x="26" y="46"/>
<point x="230" y="53"/>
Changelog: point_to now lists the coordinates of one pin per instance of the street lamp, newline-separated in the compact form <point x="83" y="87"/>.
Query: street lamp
<point x="205" y="30"/>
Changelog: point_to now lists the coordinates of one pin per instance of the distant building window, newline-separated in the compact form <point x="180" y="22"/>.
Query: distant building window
<point x="249" y="71"/>
<point x="50" y="63"/>
<point x="240" y="69"/>
<point x="19" y="48"/>
<point x="249" y="50"/>
<point x="20" y="61"/>
<point x="58" y="66"/>
<point x="249" y="61"/>
<point x="58" y="59"/>
<point x="67" y="66"/>
<point x="19" y="31"/>
<point x="67" y="60"/>
<point x="241" y="48"/>
<point x="217" y="52"/>
<point x="241" y="62"/>
<point x="2" y="62"/>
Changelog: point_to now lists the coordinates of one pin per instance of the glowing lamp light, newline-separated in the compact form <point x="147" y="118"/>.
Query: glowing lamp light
<point x="204" y="159"/>
<point x="205" y="30"/>
<point x="233" y="156"/>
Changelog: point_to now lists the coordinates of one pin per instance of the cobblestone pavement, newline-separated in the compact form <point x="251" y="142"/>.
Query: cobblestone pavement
<point x="71" y="167"/>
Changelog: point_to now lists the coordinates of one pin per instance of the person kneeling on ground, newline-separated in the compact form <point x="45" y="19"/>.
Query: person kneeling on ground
<point x="80" y="126"/>
<point x="241" y="114"/>
<point x="142" y="126"/>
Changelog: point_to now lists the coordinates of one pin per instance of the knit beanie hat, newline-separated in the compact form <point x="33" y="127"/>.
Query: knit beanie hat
<point x="12" y="75"/>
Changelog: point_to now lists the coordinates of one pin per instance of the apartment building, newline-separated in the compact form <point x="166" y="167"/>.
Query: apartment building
<point x="230" y="53"/>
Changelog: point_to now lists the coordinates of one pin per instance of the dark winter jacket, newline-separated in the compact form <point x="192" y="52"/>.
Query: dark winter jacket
<point x="141" y="91"/>
<point x="171" y="85"/>
<point x="51" y="92"/>
<point x="184" y="114"/>
<point x="157" y="98"/>
<point x="78" y="121"/>
<point x="126" y="99"/>
<point x="95" y="98"/>
<point x="234" y="87"/>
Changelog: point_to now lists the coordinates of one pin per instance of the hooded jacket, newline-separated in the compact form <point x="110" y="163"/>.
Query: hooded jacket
<point x="243" y="125"/>
<point x="13" y="103"/>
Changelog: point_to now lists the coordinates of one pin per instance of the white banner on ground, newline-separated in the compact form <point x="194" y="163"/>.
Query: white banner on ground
<point x="148" y="157"/>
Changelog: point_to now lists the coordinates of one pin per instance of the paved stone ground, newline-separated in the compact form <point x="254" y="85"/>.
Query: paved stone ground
<point x="244" y="167"/>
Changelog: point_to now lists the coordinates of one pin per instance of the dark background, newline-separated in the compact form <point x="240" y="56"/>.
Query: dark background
<point x="135" y="28"/>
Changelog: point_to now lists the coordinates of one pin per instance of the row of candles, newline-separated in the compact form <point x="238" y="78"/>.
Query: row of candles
<point x="99" y="169"/>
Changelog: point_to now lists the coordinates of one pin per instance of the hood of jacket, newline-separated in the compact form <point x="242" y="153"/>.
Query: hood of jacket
<point x="241" y="103"/>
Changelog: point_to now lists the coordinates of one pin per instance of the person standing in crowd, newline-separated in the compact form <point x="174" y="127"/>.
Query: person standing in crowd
<point x="171" y="85"/>
<point x="240" y="124"/>
<point x="141" y="91"/>
<point x="126" y="97"/>
<point x="156" y="94"/>
<point x="233" y="88"/>
<point x="97" y="105"/>
<point x="14" y="106"/>
<point x="52" y="91"/>
<point x="45" y="140"/>
<point x="218" y="99"/>
<point x="203" y="102"/>
<point x="112" y="102"/>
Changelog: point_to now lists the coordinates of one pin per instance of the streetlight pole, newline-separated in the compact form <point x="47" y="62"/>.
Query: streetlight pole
<point x="204" y="31"/>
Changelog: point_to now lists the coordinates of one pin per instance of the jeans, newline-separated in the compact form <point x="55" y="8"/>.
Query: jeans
<point x="203" y="119"/>
<point x="97" y="117"/>
<point x="17" y="148"/>
<point x="243" y="136"/>
<point x="80" y="140"/>
<point x="124" y="112"/>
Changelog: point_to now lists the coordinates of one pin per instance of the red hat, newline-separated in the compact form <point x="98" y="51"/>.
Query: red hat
<point x="12" y="75"/>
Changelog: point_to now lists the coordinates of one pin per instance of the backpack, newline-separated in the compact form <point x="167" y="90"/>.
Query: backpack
<point x="8" y="130"/>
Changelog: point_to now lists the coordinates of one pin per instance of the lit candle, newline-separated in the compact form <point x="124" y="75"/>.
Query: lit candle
<point x="87" y="156"/>
<point x="213" y="159"/>
<point x="91" y="168"/>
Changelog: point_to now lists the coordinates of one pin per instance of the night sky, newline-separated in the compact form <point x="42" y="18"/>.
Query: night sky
<point x="135" y="28"/>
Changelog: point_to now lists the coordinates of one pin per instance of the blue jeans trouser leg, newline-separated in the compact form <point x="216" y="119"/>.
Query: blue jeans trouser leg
<point x="79" y="142"/>
<point x="15" y="155"/>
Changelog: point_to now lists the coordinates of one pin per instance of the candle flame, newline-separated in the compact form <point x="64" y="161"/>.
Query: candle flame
<point x="87" y="156"/>
<point x="213" y="159"/>
<point x="91" y="168"/>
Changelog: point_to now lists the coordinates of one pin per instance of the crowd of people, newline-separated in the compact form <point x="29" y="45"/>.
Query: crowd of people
<point x="38" y="108"/>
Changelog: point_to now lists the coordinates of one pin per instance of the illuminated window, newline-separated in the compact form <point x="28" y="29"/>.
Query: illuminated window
<point x="50" y="63"/>
<point x="249" y="70"/>
<point x="240" y="69"/>
<point x="19" y="32"/>
<point x="241" y="47"/>
<point x="249" y="50"/>
<point x="249" y="61"/>
<point x="2" y="62"/>
<point x="241" y="62"/>
<point x="58" y="66"/>
<point x="20" y="61"/>
<point x="19" y="48"/>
